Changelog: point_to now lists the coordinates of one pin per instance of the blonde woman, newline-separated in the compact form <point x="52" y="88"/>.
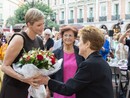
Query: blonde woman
<point x="121" y="51"/>
<point x="15" y="85"/>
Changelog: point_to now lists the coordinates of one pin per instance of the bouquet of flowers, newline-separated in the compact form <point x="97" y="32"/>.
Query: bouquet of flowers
<point x="35" y="62"/>
<point x="41" y="59"/>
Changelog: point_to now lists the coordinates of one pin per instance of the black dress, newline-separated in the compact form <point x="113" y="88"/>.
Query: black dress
<point x="13" y="88"/>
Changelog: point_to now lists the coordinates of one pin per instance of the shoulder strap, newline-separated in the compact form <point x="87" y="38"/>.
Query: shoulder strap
<point x="17" y="34"/>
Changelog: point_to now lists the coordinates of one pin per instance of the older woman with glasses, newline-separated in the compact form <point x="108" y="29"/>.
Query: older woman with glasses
<point x="93" y="78"/>
<point x="47" y="40"/>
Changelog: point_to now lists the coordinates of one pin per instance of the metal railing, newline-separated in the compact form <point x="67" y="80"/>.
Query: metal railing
<point x="80" y="20"/>
<point x="103" y="18"/>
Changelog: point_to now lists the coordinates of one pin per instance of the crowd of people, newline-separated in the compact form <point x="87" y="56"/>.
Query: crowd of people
<point x="84" y="72"/>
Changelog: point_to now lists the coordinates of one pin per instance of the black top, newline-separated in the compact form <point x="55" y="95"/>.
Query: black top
<point x="92" y="80"/>
<point x="49" y="43"/>
<point x="13" y="88"/>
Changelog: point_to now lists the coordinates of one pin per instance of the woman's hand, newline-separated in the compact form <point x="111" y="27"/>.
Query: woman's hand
<point x="41" y="80"/>
<point x="29" y="81"/>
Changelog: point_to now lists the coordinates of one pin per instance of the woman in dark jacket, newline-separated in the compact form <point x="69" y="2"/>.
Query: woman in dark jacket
<point x="71" y="59"/>
<point x="59" y="54"/>
<point x="93" y="78"/>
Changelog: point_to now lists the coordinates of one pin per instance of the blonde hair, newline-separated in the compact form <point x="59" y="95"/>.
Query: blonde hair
<point x="33" y="15"/>
<point x="56" y="36"/>
<point x="94" y="35"/>
<point x="117" y="36"/>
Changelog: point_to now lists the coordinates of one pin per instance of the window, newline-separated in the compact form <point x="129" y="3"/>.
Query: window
<point x="62" y="15"/>
<point x="90" y="12"/>
<point x="103" y="9"/>
<point x="116" y="9"/>
<point x="62" y="1"/>
<point x="0" y="16"/>
<point x="80" y="13"/>
<point x="55" y="2"/>
<point x="1" y="6"/>
<point x="71" y="14"/>
<point x="128" y="7"/>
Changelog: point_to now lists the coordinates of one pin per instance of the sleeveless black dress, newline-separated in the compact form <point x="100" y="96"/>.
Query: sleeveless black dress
<point x="12" y="88"/>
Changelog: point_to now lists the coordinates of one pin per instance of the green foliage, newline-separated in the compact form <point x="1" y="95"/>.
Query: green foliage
<point x="50" y="24"/>
<point x="10" y="21"/>
<point x="20" y="13"/>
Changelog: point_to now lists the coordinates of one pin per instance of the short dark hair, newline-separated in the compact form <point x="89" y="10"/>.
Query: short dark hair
<point x="67" y="28"/>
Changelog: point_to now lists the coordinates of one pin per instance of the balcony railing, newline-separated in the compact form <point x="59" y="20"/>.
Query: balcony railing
<point x="90" y="19"/>
<point x="127" y="16"/>
<point x="103" y="18"/>
<point x="115" y="17"/>
<point x="61" y="21"/>
<point x="91" y="1"/>
<point x="70" y="20"/>
<point x="80" y="20"/>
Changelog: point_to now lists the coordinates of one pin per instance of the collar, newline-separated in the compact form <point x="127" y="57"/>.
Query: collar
<point x="96" y="53"/>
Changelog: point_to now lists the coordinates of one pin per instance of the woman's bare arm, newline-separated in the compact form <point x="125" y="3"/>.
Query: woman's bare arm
<point x="12" y="52"/>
